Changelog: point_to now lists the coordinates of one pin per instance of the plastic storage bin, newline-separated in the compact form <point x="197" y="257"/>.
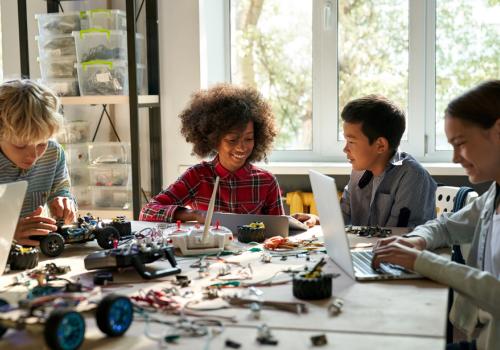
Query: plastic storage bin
<point x="79" y="176"/>
<point x="56" y="45"/>
<point x="106" y="19"/>
<point x="75" y="132"/>
<point x="83" y="196"/>
<point x="63" y="86"/>
<point x="102" y="44"/>
<point x="77" y="154"/>
<point x="110" y="175"/>
<point x="58" y="23"/>
<point x="114" y="197"/>
<point x="103" y="78"/>
<point x="109" y="153"/>
<point x="57" y="67"/>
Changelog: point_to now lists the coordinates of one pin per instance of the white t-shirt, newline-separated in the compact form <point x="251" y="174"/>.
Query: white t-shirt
<point x="492" y="256"/>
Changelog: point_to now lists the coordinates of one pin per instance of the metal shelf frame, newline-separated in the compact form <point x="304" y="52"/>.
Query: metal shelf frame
<point x="152" y="103"/>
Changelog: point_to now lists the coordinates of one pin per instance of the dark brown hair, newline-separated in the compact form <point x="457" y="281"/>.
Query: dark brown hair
<point x="379" y="117"/>
<point x="479" y="105"/>
<point x="224" y="108"/>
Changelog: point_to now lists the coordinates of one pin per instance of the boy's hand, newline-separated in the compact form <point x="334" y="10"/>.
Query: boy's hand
<point x="33" y="225"/>
<point x="63" y="208"/>
<point x="395" y="253"/>
<point x="309" y="219"/>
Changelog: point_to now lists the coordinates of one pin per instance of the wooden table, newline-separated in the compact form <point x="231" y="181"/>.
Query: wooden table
<point x="376" y="315"/>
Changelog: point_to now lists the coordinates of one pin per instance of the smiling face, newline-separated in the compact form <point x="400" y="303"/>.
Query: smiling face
<point x="476" y="149"/>
<point x="235" y="147"/>
<point x="361" y="154"/>
<point x="24" y="156"/>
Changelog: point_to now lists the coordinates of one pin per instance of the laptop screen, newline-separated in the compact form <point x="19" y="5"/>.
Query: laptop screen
<point x="332" y="221"/>
<point x="11" y="200"/>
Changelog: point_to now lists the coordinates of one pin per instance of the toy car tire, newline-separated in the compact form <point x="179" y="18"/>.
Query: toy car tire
<point x="247" y="234"/>
<point x="64" y="329"/>
<point x="52" y="245"/>
<point x="3" y="329"/>
<point x="312" y="288"/>
<point x="106" y="235"/>
<point x="23" y="260"/>
<point x="114" y="315"/>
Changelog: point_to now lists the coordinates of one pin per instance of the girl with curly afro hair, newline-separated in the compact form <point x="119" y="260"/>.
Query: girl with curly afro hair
<point x="235" y="126"/>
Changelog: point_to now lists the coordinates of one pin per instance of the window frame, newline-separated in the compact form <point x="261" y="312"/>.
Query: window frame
<point x="421" y="132"/>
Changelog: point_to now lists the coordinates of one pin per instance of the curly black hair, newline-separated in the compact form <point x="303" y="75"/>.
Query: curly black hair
<point x="223" y="108"/>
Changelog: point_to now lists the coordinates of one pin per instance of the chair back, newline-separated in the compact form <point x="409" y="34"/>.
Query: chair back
<point x="446" y="197"/>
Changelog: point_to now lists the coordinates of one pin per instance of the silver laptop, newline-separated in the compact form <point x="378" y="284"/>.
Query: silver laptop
<point x="276" y="225"/>
<point x="11" y="200"/>
<point x="356" y="264"/>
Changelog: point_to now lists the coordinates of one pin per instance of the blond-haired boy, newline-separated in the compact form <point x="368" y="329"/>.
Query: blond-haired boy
<point x="29" y="118"/>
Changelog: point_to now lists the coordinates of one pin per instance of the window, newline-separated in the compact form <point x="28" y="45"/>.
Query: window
<point x="467" y="51"/>
<point x="310" y="57"/>
<point x="271" y="45"/>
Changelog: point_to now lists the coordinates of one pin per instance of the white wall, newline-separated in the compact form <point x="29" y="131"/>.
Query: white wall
<point x="180" y="77"/>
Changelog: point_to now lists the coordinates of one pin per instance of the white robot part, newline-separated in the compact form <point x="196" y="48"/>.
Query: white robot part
<point x="202" y="240"/>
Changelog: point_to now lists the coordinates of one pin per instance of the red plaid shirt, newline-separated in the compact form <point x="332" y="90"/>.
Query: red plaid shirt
<point x="249" y="190"/>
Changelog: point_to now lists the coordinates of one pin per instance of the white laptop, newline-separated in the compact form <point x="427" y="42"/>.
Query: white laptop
<point x="11" y="200"/>
<point x="356" y="264"/>
<point x="276" y="225"/>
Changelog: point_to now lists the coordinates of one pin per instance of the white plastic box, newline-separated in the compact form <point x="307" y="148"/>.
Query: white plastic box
<point x="63" y="86"/>
<point x="77" y="131"/>
<point x="109" y="153"/>
<point x="102" y="44"/>
<point x="56" y="45"/>
<point x="79" y="176"/>
<point x="112" y="197"/>
<point x="83" y="196"/>
<point x="77" y="154"/>
<point x="106" y="19"/>
<point x="110" y="175"/>
<point x="57" y="67"/>
<point x="103" y="78"/>
<point x="57" y="23"/>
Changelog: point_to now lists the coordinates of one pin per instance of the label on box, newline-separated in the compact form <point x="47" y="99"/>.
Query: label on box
<point x="103" y="77"/>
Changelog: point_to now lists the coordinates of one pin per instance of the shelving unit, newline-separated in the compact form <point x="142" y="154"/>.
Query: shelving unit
<point x="151" y="101"/>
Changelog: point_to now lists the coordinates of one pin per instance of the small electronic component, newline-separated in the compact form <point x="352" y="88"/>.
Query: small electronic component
<point x="319" y="340"/>
<point x="369" y="231"/>
<point x="264" y="336"/>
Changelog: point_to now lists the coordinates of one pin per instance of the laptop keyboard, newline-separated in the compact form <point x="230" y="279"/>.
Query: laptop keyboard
<point x="362" y="260"/>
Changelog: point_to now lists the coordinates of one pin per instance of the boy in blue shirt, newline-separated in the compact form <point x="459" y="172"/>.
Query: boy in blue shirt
<point x="28" y="119"/>
<point x="387" y="187"/>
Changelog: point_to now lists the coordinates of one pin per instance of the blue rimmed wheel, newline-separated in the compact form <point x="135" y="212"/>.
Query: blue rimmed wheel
<point x="64" y="330"/>
<point x="114" y="315"/>
<point x="3" y="306"/>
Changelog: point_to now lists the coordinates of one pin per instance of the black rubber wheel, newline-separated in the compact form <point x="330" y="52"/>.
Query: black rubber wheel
<point x="312" y="288"/>
<point x="64" y="330"/>
<point x="19" y="260"/>
<point x="3" y="329"/>
<point x="247" y="234"/>
<point x="114" y="315"/>
<point x="52" y="245"/>
<point x="106" y="235"/>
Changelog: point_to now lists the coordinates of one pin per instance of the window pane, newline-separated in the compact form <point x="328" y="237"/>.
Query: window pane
<point x="271" y="49"/>
<point x="467" y="51"/>
<point x="373" y="51"/>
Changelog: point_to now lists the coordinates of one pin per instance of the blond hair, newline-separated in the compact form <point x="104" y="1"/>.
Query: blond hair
<point x="28" y="112"/>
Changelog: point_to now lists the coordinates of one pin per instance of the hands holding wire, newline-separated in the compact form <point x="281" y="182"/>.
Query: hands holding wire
<point x="398" y="250"/>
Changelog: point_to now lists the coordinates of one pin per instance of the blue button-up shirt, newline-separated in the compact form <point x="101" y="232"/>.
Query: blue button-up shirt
<point x="47" y="178"/>
<point x="405" y="196"/>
